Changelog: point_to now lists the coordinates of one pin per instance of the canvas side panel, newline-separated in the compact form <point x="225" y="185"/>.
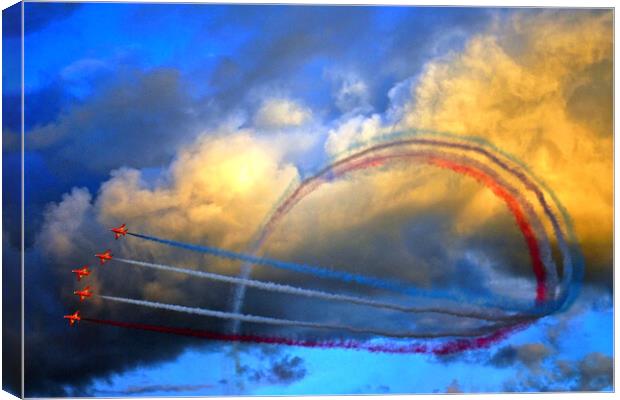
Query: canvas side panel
<point x="11" y="199"/>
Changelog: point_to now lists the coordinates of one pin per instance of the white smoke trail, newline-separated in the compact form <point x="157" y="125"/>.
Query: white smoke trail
<point x="304" y="324"/>
<point x="276" y="287"/>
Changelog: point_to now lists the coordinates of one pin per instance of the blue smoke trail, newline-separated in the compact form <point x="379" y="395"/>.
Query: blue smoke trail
<point x="325" y="273"/>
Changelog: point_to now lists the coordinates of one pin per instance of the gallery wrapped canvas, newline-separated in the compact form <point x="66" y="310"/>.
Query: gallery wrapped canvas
<point x="252" y="199"/>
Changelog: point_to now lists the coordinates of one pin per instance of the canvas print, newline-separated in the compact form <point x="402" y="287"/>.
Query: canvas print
<point x="259" y="199"/>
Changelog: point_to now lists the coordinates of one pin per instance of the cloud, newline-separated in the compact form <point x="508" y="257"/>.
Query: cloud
<point x="37" y="17"/>
<point x="531" y="355"/>
<point x="281" y="370"/>
<point x="595" y="372"/>
<point x="530" y="85"/>
<point x="138" y="390"/>
<point x="219" y="188"/>
<point x="281" y="113"/>
<point x="11" y="316"/>
<point x="134" y="120"/>
<point x="62" y="230"/>
<point x="353" y="130"/>
<point x="454" y="387"/>
<point x="524" y="85"/>
<point x="288" y="369"/>
<point x="287" y="54"/>
<point x="351" y="93"/>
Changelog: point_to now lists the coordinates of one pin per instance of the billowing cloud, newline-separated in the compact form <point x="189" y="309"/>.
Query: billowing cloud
<point x="219" y="188"/>
<point x="62" y="230"/>
<point x="539" y="86"/>
<point x="357" y="129"/>
<point x="532" y="86"/>
<point x="281" y="113"/>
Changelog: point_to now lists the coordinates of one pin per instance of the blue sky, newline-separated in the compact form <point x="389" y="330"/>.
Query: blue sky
<point x="119" y="91"/>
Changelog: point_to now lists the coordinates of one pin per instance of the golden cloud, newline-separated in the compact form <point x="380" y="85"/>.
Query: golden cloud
<point x="217" y="190"/>
<point x="539" y="87"/>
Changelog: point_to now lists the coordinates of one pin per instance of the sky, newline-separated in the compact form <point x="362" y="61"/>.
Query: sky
<point x="193" y="122"/>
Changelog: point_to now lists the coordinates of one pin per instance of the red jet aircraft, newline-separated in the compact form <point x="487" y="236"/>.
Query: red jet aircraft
<point x="105" y="256"/>
<point x="120" y="231"/>
<point x="84" y="293"/>
<point x="73" y="318"/>
<point x="84" y="271"/>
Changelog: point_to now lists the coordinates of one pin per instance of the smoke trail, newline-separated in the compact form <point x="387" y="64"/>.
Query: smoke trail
<point x="311" y="183"/>
<point x="490" y="179"/>
<point x="391" y="348"/>
<point x="573" y="273"/>
<point x="303" y="324"/>
<point x="320" y="272"/>
<point x="326" y="273"/>
<point x="280" y="288"/>
<point x="514" y="206"/>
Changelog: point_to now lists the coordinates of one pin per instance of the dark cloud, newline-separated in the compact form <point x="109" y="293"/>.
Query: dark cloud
<point x="135" y="120"/>
<point x="11" y="113"/>
<point x="11" y="197"/>
<point x="531" y="355"/>
<point x="454" y="387"/>
<point x="11" y="266"/>
<point x="36" y="16"/>
<point x="504" y="357"/>
<point x="39" y="15"/>
<point x="138" y="390"/>
<point x="596" y="372"/>
<point x="279" y="370"/>
<point x="287" y="370"/>
<point x="11" y="316"/>
<point x="43" y="105"/>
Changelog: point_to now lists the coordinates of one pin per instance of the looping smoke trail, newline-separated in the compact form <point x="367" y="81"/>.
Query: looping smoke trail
<point x="548" y="300"/>
<point x="390" y="348"/>
<point x="571" y="277"/>
<point x="304" y="324"/>
<point x="311" y="183"/>
<point x="502" y="189"/>
<point x="276" y="287"/>
<point x="556" y="300"/>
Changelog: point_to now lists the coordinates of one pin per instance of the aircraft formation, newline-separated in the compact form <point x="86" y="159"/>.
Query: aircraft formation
<point x="85" y="271"/>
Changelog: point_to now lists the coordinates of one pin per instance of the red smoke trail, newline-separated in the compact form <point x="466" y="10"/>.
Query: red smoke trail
<point x="442" y="349"/>
<point x="515" y="207"/>
<point x="482" y="177"/>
